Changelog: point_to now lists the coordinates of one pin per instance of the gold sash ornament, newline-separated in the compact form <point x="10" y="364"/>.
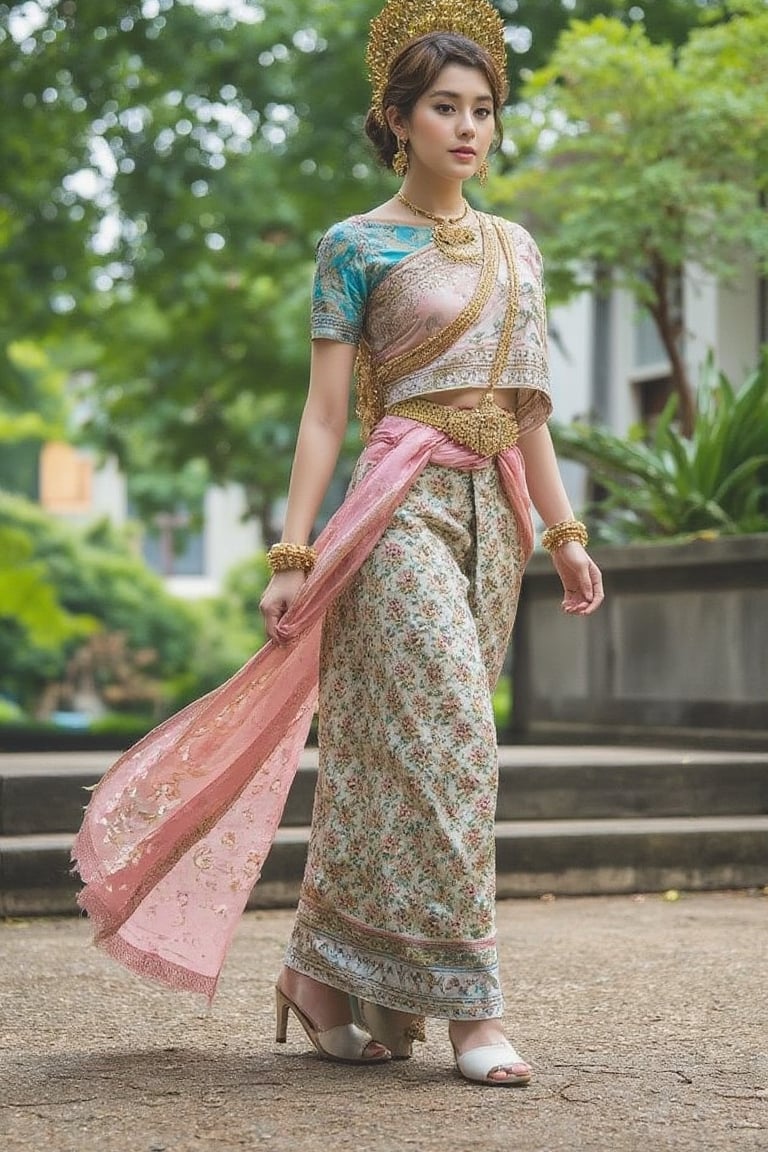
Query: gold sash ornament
<point x="487" y="429"/>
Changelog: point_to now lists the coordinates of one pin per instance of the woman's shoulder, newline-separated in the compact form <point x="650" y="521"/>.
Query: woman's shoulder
<point x="513" y="229"/>
<point x="343" y="245"/>
<point x="346" y="230"/>
<point x="523" y="241"/>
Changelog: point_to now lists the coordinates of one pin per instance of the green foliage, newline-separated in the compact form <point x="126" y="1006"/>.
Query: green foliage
<point x="659" y="484"/>
<point x="10" y="712"/>
<point x="629" y="153"/>
<point x="27" y="597"/>
<point x="502" y="703"/>
<point x="636" y="158"/>
<point x="72" y="581"/>
<point x="131" y="725"/>
<point x="228" y="631"/>
<point x="216" y="151"/>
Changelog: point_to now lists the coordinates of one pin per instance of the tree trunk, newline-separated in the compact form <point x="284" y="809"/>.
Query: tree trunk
<point x="261" y="507"/>
<point x="669" y="332"/>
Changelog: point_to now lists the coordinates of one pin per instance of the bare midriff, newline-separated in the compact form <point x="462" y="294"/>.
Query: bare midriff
<point x="470" y="397"/>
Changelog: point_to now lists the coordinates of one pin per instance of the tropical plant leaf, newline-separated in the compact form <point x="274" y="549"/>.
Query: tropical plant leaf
<point x="668" y="485"/>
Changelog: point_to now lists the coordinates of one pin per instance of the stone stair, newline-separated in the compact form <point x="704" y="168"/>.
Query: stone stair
<point x="570" y="821"/>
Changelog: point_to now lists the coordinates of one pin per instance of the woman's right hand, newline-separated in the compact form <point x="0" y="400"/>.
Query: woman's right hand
<point x="278" y="596"/>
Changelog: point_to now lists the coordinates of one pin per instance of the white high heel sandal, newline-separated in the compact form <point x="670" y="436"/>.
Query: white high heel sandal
<point x="477" y="1065"/>
<point x="344" y="1044"/>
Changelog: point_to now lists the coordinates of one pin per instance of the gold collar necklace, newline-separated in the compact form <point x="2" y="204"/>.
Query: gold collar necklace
<point x="455" y="242"/>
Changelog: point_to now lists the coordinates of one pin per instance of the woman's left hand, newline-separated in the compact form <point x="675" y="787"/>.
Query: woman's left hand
<point x="580" y="577"/>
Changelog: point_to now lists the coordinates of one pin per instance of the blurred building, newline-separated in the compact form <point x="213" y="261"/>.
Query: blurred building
<point x="73" y="488"/>
<point x="608" y="362"/>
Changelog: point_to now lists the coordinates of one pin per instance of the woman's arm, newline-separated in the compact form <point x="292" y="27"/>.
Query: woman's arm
<point x="321" y="434"/>
<point x="580" y="576"/>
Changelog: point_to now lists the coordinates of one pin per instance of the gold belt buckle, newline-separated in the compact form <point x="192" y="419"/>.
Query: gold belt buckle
<point x="486" y="429"/>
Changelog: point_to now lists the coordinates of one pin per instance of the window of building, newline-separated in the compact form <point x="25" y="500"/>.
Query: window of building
<point x="66" y="479"/>
<point x="171" y="548"/>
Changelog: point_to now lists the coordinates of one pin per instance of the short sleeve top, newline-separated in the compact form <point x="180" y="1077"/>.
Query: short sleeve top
<point x="354" y="298"/>
<point x="352" y="258"/>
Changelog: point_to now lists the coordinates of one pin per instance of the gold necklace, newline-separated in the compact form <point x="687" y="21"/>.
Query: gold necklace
<point x="456" y="243"/>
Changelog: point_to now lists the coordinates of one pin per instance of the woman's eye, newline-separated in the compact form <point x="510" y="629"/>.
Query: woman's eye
<point x="445" y="108"/>
<point x="483" y="113"/>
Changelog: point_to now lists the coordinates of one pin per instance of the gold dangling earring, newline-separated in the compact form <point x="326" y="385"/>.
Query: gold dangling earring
<point x="400" y="159"/>
<point x="482" y="173"/>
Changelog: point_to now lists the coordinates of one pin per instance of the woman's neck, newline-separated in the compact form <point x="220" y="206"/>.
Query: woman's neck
<point x="441" y="197"/>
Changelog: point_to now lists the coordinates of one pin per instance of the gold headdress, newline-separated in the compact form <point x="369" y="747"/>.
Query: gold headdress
<point x="401" y="21"/>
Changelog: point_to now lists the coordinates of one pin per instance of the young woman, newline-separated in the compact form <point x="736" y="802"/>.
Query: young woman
<point x="397" y="902"/>
<point x="403" y="609"/>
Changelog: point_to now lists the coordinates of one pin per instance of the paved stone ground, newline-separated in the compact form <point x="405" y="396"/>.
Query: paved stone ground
<point x="646" y="1021"/>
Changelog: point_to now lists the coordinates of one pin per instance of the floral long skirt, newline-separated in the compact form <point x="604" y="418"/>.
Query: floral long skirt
<point x="398" y="900"/>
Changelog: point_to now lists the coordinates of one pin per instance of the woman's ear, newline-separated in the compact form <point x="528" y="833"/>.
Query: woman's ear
<point x="396" y="122"/>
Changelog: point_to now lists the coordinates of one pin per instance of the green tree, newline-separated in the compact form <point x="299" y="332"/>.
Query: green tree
<point x="635" y="158"/>
<point x="534" y="26"/>
<point x="167" y="172"/>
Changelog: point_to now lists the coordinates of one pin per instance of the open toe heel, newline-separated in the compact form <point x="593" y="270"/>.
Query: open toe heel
<point x="478" y="1064"/>
<point x="344" y="1044"/>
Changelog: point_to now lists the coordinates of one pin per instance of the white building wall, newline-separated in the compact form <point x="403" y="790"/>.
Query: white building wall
<point x="720" y="319"/>
<point x="228" y="539"/>
<point x="624" y="363"/>
<point x="570" y="363"/>
<point x="109" y="493"/>
<point x="570" y="358"/>
<point x="738" y="327"/>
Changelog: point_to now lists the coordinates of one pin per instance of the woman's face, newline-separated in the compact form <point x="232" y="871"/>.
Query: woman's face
<point x="451" y="128"/>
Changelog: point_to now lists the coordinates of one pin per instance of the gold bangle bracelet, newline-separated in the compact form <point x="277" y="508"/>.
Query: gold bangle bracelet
<point x="566" y="532"/>
<point x="291" y="557"/>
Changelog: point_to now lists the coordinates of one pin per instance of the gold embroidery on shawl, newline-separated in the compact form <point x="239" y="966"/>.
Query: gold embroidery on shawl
<point x="369" y="408"/>
<point x="513" y="304"/>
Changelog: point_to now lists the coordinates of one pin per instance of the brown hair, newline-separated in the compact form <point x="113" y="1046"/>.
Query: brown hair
<point x="413" y="73"/>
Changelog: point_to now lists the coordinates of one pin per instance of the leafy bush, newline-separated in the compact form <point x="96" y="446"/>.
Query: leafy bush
<point x="660" y="484"/>
<point x="10" y="712"/>
<point x="93" y="576"/>
<point x="228" y="630"/>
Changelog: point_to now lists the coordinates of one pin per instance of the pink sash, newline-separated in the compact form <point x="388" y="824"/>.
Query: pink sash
<point x="177" y="832"/>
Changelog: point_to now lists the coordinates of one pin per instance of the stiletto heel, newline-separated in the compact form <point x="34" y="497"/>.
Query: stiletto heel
<point x="345" y="1044"/>
<point x="281" y="1012"/>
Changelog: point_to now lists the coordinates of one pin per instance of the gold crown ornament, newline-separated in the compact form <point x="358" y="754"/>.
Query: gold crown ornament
<point x="401" y="21"/>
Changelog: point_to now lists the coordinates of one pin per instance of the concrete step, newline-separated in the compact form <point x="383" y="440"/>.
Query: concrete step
<point x="46" y="793"/>
<point x="534" y="858"/>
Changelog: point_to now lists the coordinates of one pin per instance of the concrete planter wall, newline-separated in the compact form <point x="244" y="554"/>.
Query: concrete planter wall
<point x="678" y="651"/>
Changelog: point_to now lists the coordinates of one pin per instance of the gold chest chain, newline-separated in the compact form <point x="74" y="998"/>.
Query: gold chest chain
<point x="486" y="429"/>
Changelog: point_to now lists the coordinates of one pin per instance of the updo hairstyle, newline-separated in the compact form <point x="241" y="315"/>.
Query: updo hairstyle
<point x="413" y="73"/>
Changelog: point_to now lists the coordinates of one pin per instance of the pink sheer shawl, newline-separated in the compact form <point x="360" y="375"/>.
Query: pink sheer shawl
<point x="177" y="832"/>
